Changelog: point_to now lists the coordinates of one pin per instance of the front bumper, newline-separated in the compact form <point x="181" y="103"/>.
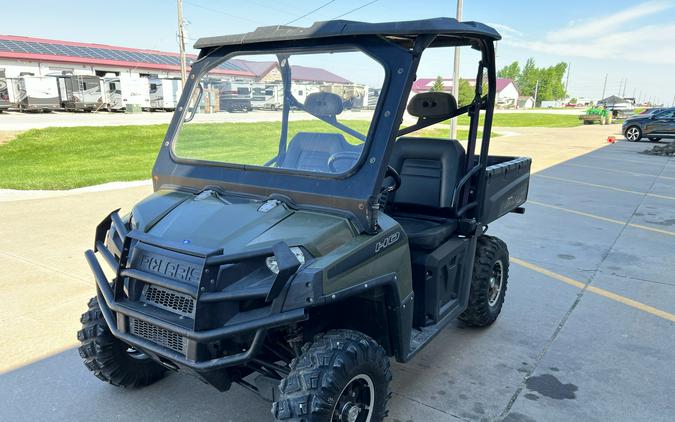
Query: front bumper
<point x="119" y="312"/>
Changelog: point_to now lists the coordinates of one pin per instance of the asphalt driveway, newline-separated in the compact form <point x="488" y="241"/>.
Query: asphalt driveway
<point x="586" y="333"/>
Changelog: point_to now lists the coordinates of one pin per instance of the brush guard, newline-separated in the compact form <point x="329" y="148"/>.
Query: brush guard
<point x="174" y="336"/>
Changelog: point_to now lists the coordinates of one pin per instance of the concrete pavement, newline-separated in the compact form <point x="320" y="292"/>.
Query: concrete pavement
<point x="560" y="350"/>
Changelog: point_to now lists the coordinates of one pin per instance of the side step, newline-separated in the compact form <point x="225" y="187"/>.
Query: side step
<point x="420" y="337"/>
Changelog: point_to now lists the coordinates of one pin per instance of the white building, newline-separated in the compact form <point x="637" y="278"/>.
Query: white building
<point x="507" y="92"/>
<point x="43" y="57"/>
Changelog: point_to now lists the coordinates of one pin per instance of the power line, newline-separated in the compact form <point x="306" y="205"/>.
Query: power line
<point x="221" y="12"/>
<point x="355" y="9"/>
<point x="310" y="12"/>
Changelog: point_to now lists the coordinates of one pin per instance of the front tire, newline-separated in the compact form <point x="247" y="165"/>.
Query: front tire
<point x="633" y="134"/>
<point x="488" y="283"/>
<point x="341" y="375"/>
<point x="110" y="359"/>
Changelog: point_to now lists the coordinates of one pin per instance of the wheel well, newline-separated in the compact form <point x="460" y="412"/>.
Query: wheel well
<point x="365" y="313"/>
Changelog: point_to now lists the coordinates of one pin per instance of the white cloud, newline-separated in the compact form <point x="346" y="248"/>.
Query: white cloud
<point x="607" y="37"/>
<point x="597" y="26"/>
<point x="506" y="30"/>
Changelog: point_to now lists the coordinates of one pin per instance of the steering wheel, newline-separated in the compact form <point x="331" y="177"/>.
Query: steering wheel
<point x="391" y="174"/>
<point x="343" y="155"/>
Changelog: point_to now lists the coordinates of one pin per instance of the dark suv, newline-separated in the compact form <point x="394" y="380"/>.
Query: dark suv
<point x="657" y="125"/>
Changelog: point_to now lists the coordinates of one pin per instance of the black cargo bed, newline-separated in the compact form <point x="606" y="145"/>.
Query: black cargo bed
<point x="506" y="186"/>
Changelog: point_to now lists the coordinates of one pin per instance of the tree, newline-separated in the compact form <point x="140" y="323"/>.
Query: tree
<point x="466" y="93"/>
<point x="527" y="80"/>
<point x="438" y="85"/>
<point x="511" y="71"/>
<point x="550" y="79"/>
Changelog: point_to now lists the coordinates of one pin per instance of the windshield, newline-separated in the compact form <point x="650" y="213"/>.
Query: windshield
<point x="300" y="112"/>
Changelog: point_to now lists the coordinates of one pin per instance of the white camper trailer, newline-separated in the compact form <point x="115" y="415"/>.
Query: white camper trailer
<point x="80" y="92"/>
<point x="37" y="93"/>
<point x="234" y="95"/>
<point x="6" y="90"/>
<point x="122" y="91"/>
<point x="164" y="93"/>
<point x="267" y="96"/>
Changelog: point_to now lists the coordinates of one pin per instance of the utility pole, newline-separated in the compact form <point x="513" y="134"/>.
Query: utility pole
<point x="673" y="101"/>
<point x="181" y="42"/>
<point x="625" y="82"/>
<point x="567" y="82"/>
<point x="455" y="77"/>
<point x="618" y="94"/>
<point x="604" y="87"/>
<point x="536" y="91"/>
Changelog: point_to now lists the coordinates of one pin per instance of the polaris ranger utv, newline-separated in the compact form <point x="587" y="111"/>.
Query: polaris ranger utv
<point x="297" y="257"/>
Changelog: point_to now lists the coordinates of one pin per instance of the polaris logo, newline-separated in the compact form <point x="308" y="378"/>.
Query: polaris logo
<point x="175" y="270"/>
<point x="387" y="241"/>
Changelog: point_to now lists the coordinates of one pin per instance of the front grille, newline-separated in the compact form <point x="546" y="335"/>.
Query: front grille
<point x="169" y="300"/>
<point x="157" y="335"/>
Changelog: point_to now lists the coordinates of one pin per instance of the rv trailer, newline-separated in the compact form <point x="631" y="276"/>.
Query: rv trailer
<point x="124" y="90"/>
<point x="267" y="96"/>
<point x="235" y="96"/>
<point x="80" y="92"/>
<point x="353" y="96"/>
<point x="5" y="92"/>
<point x="37" y="93"/>
<point x="164" y="93"/>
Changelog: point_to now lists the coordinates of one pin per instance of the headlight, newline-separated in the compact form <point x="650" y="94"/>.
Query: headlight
<point x="273" y="265"/>
<point x="133" y="223"/>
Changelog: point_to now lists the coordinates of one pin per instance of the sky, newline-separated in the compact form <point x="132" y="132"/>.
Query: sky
<point x="631" y="41"/>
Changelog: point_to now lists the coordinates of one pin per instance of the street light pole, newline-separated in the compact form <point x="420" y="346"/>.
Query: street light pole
<point x="604" y="87"/>
<point x="181" y="43"/>
<point x="455" y="77"/>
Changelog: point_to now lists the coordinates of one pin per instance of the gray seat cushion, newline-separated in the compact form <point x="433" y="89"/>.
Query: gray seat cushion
<point x="311" y="151"/>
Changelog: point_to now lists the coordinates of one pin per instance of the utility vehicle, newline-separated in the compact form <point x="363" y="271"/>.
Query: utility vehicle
<point x="297" y="257"/>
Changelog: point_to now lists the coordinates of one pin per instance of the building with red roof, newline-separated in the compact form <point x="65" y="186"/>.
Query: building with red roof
<point x="44" y="57"/>
<point x="507" y="92"/>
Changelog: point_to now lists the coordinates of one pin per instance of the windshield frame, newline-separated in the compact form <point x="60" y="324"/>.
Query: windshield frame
<point x="354" y="196"/>
<point x="213" y="60"/>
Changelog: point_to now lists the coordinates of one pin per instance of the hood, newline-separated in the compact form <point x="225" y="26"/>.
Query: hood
<point x="215" y="221"/>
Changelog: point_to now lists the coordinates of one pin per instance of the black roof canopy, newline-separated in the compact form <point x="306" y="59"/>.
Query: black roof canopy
<point x="450" y="32"/>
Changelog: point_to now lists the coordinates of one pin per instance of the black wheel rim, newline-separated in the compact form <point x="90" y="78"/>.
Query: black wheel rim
<point x="495" y="283"/>
<point x="356" y="400"/>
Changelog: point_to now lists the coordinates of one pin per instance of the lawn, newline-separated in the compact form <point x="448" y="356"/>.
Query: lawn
<point x="66" y="158"/>
<point x="529" y="120"/>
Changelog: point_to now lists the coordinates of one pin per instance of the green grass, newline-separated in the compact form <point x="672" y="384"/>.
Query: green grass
<point x="66" y="158"/>
<point x="530" y="120"/>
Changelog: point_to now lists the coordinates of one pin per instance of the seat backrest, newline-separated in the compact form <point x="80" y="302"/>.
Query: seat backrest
<point x="311" y="151"/>
<point x="430" y="169"/>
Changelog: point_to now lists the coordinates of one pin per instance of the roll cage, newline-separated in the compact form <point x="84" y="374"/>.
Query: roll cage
<point x="398" y="48"/>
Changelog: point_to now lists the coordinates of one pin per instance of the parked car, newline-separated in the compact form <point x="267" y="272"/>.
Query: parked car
<point x="654" y="126"/>
<point x="651" y="110"/>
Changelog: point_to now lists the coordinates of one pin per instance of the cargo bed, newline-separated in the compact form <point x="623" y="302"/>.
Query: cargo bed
<point x="507" y="183"/>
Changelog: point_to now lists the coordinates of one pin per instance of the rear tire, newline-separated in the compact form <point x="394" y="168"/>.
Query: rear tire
<point x="488" y="283"/>
<point x="633" y="134"/>
<point x="654" y="139"/>
<point x="110" y="359"/>
<point x="340" y="375"/>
